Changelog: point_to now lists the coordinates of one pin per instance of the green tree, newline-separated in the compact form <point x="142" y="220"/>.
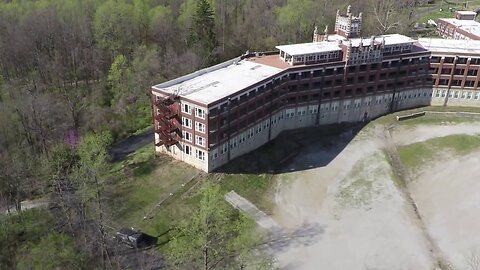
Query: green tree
<point x="203" y="32"/>
<point x="119" y="78"/>
<point x="114" y="26"/>
<point x="216" y="236"/>
<point x="91" y="175"/>
<point x="297" y="18"/>
<point x="24" y="229"/>
<point x="53" y="251"/>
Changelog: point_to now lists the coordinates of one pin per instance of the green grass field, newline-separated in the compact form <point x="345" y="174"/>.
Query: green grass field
<point x="433" y="12"/>
<point x="415" y="155"/>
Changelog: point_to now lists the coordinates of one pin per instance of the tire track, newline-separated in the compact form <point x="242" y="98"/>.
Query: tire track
<point x="402" y="174"/>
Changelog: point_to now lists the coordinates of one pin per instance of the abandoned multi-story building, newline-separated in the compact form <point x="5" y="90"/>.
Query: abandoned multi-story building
<point x="211" y="116"/>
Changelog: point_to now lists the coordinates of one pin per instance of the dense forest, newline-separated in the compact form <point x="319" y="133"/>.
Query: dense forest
<point x="75" y="77"/>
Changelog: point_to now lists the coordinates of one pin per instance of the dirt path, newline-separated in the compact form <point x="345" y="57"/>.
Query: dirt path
<point x="401" y="173"/>
<point x="251" y="210"/>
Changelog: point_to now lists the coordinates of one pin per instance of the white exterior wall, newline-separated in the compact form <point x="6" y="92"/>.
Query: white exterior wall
<point x="465" y="97"/>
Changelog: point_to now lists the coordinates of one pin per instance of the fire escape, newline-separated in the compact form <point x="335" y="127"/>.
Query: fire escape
<point x="166" y="121"/>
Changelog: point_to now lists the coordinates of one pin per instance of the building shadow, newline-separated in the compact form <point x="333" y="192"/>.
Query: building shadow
<point x="296" y="150"/>
<point x="284" y="239"/>
<point x="120" y="150"/>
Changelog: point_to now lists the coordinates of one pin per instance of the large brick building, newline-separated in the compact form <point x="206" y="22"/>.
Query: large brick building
<point x="209" y="117"/>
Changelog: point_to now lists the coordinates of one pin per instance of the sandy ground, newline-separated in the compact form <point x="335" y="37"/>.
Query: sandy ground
<point x="349" y="214"/>
<point x="448" y="198"/>
<point x="364" y="222"/>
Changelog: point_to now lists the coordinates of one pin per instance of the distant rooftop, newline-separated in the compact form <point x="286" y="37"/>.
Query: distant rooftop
<point x="470" y="26"/>
<point x="309" y="48"/>
<point x="332" y="44"/>
<point x="214" y="83"/>
<point x="389" y="39"/>
<point x="450" y="45"/>
<point x="466" y="12"/>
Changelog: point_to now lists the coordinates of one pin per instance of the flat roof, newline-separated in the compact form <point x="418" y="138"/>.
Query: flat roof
<point x="392" y="39"/>
<point x="309" y="48"/>
<point x="214" y="83"/>
<point x="466" y="12"/>
<point x="450" y="45"/>
<point x="470" y="26"/>
<point x="332" y="44"/>
<point x="273" y="60"/>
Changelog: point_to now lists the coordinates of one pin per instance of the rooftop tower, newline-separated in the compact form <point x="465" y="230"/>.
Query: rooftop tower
<point x="348" y="25"/>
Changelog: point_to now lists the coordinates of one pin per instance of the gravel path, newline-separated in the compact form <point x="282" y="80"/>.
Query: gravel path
<point x="251" y="210"/>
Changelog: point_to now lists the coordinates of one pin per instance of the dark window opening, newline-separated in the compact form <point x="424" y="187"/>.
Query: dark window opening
<point x="446" y="71"/>
<point x="448" y="60"/>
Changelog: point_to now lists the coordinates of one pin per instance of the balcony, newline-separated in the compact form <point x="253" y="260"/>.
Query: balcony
<point x="166" y="115"/>
<point x="166" y="128"/>
<point x="165" y="101"/>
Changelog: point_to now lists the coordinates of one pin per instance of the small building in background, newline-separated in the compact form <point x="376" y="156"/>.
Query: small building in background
<point x="463" y="26"/>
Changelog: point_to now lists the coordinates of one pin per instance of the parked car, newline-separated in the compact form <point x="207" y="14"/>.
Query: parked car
<point x="135" y="239"/>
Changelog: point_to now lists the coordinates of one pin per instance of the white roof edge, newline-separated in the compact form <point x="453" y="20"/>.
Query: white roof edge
<point x="466" y="12"/>
<point x="196" y="74"/>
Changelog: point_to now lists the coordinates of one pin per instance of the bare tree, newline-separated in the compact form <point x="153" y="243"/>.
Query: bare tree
<point x="386" y="14"/>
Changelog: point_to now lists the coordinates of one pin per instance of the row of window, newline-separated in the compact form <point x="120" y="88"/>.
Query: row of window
<point x="199" y="140"/>
<point x="200" y="127"/>
<point x="199" y="154"/>
<point x="313" y="110"/>
<point x="458" y="94"/>
<point x="468" y="83"/>
<point x="458" y="71"/>
<point x="460" y="60"/>
<point x="187" y="108"/>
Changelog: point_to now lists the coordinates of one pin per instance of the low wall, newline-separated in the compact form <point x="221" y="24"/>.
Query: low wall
<point x="432" y="113"/>
<point x="410" y="116"/>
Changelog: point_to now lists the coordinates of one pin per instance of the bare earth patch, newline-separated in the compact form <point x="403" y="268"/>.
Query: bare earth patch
<point x="447" y="196"/>
<point x="366" y="222"/>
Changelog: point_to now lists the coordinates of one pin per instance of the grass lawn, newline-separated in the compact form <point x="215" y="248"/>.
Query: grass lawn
<point x="142" y="181"/>
<point x="432" y="11"/>
<point x="415" y="155"/>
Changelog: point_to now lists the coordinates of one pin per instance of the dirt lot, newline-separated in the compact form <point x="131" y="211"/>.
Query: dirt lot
<point x="364" y="216"/>
<point x="447" y="196"/>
